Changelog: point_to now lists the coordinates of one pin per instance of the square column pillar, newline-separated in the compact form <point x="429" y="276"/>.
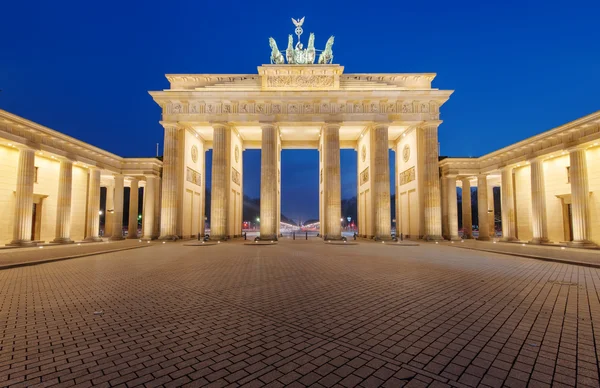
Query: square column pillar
<point x="332" y="201"/>
<point x="508" y="205"/>
<point x="93" y="207"/>
<point x="132" y="228"/>
<point x="220" y="182"/>
<point x="580" y="201"/>
<point x="148" y="209"/>
<point x="428" y="144"/>
<point x="24" y="199"/>
<point x="170" y="187"/>
<point x="452" y="205"/>
<point x="63" y="206"/>
<point x="482" y="208"/>
<point x="538" y="202"/>
<point x="269" y="182"/>
<point x="467" y="215"/>
<point x="117" y="219"/>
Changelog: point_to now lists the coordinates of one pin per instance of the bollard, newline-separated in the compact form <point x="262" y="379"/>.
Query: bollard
<point x="294" y="235"/>
<point x="307" y="235"/>
<point x="245" y="234"/>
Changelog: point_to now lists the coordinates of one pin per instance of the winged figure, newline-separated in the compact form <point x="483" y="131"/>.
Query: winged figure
<point x="298" y="23"/>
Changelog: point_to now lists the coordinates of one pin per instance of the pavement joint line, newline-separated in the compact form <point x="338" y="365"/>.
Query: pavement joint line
<point x="44" y="261"/>
<point x="327" y="338"/>
<point x="528" y="256"/>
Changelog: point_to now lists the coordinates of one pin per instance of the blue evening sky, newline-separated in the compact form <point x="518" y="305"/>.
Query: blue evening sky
<point x="518" y="68"/>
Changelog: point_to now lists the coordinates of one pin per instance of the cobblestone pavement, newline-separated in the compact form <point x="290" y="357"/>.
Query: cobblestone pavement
<point x="300" y="314"/>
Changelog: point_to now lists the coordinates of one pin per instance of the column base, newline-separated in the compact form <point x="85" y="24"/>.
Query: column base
<point x="93" y="239"/>
<point x="433" y="238"/>
<point x="582" y="244"/>
<point x="333" y="237"/>
<point x="509" y="239"/>
<point x="455" y="238"/>
<point x="136" y="237"/>
<point x="538" y="241"/>
<point x="169" y="237"/>
<point x="116" y="238"/>
<point x="268" y="238"/>
<point x="21" y="243"/>
<point x="483" y="238"/>
<point x="148" y="238"/>
<point x="468" y="237"/>
<point x="62" y="240"/>
<point x="380" y="238"/>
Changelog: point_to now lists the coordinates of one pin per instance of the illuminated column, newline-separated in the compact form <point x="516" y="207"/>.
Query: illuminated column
<point x="168" y="217"/>
<point x="466" y="209"/>
<point x="110" y="208"/>
<point x="117" y="222"/>
<point x="63" y="206"/>
<point x="580" y="193"/>
<point x="220" y="180"/>
<point x="538" y="202"/>
<point x="482" y="208"/>
<point x="157" y="206"/>
<point x="132" y="228"/>
<point x="332" y="181"/>
<point x="148" y="209"/>
<point x="381" y="182"/>
<point x="508" y="206"/>
<point x="268" y="182"/>
<point x="491" y="211"/>
<point x="431" y="181"/>
<point x="24" y="198"/>
<point x="452" y="203"/>
<point x="93" y="208"/>
<point x="444" y="196"/>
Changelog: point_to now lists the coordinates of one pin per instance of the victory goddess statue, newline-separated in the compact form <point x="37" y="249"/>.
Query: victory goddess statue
<point x="297" y="54"/>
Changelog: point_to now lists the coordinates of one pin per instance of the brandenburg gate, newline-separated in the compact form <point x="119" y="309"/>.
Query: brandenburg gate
<point x="300" y="104"/>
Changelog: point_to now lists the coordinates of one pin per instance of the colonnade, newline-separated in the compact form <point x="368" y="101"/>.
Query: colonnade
<point x="24" y="199"/>
<point x="580" y="202"/>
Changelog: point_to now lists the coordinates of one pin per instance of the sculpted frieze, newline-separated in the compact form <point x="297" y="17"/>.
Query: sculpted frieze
<point x="300" y="80"/>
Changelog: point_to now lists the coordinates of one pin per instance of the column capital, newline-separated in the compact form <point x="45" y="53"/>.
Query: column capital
<point x="377" y="125"/>
<point x="169" y="125"/>
<point x="268" y="124"/>
<point x="450" y="175"/>
<point x="537" y="158"/>
<point x="580" y="147"/>
<point x="430" y="123"/>
<point x="335" y="124"/>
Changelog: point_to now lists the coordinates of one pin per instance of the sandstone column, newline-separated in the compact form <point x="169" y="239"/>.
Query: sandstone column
<point x="431" y="181"/>
<point x="157" y="206"/>
<point x="268" y="182"/>
<point x="93" y="206"/>
<point x="117" y="218"/>
<point x="491" y="211"/>
<point x="24" y="198"/>
<point x="452" y="203"/>
<point x="168" y="217"/>
<point x="132" y="228"/>
<point x="148" y="210"/>
<point x="580" y="193"/>
<point x="110" y="208"/>
<point x="220" y="180"/>
<point x="63" y="206"/>
<point x="332" y="181"/>
<point x="466" y="209"/>
<point x="508" y="205"/>
<point x="538" y="202"/>
<point x="381" y="182"/>
<point x="444" y="203"/>
<point x="482" y="208"/>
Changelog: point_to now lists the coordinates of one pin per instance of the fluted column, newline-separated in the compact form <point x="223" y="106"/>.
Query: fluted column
<point x="452" y="202"/>
<point x="332" y="181"/>
<point x="491" y="211"/>
<point x="132" y="228"/>
<point x="157" y="206"/>
<point x="467" y="215"/>
<point x="24" y="198"/>
<point x="148" y="210"/>
<point x="110" y="208"/>
<point x="117" y="219"/>
<point x="168" y="217"/>
<point x="220" y="179"/>
<point x="268" y="182"/>
<point x="508" y="205"/>
<point x="444" y="196"/>
<point x="431" y="182"/>
<point x="92" y="228"/>
<point x="538" y="202"/>
<point x="63" y="208"/>
<point x="381" y="182"/>
<point x="482" y="208"/>
<point x="580" y="193"/>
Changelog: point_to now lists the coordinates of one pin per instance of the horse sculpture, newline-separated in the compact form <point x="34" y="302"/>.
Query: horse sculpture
<point x="326" y="56"/>
<point x="289" y="52"/>
<point x="276" y="56"/>
<point x="311" y="53"/>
